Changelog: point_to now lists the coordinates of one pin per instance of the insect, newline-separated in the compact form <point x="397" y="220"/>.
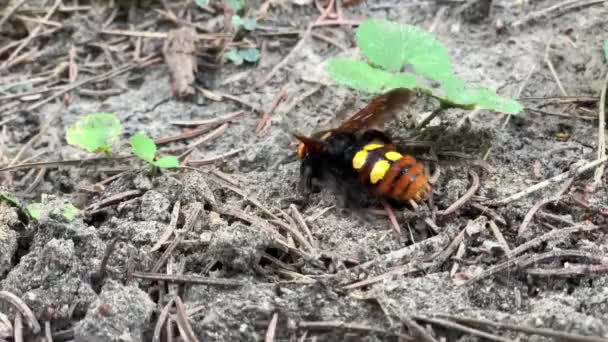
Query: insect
<point x="354" y="154"/>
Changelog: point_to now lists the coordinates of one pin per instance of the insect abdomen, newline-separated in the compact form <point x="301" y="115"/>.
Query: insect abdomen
<point x="392" y="174"/>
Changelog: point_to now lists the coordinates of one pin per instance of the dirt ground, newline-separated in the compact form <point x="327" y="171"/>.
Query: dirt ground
<point x="246" y="258"/>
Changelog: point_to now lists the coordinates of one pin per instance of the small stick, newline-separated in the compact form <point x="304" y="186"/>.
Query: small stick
<point x="465" y="198"/>
<point x="499" y="237"/>
<point x="300" y="220"/>
<point x="23" y="309"/>
<point x="31" y="35"/>
<point x="272" y="328"/>
<point x="37" y="180"/>
<point x="561" y="7"/>
<point x="11" y="11"/>
<point x="183" y="324"/>
<point x="170" y="228"/>
<point x="552" y="235"/>
<point x="113" y="199"/>
<point x="528" y="330"/>
<point x="601" y="136"/>
<point x="553" y="180"/>
<point x="330" y="325"/>
<point x="570" y="271"/>
<point x="528" y="218"/>
<point x="459" y="255"/>
<point x="455" y="326"/>
<point x="525" y="261"/>
<point x="216" y="133"/>
<point x="490" y="212"/>
<point x="392" y="218"/>
<point x="550" y="65"/>
<point x="417" y="330"/>
<point x="18" y="329"/>
<point x="187" y="279"/>
<point x="160" y="322"/>
<point x="211" y="160"/>
<point x="190" y="220"/>
<point x="209" y="122"/>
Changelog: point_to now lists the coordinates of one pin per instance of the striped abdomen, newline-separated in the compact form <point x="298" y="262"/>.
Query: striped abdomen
<point x="392" y="174"/>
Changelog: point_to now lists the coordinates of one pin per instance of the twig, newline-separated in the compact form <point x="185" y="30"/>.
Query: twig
<point x="160" y="322"/>
<point x="298" y="46"/>
<point x="570" y="271"/>
<point x="417" y="330"/>
<point x="528" y="218"/>
<point x="23" y="309"/>
<point x="455" y="326"/>
<point x="216" y="133"/>
<point x="37" y="180"/>
<point x="170" y="228"/>
<point x="211" y="160"/>
<point x="528" y="330"/>
<point x="553" y="180"/>
<point x="561" y="7"/>
<point x="210" y="122"/>
<point x="601" y="135"/>
<point x="97" y="78"/>
<point x="465" y="198"/>
<point x="300" y="220"/>
<point x="552" y="235"/>
<point x="331" y="325"/>
<point x="35" y="138"/>
<point x="188" y="279"/>
<point x="490" y="212"/>
<point x="183" y="324"/>
<point x="113" y="199"/>
<point x="272" y="328"/>
<point x="190" y="221"/>
<point x="392" y="218"/>
<point x="11" y="11"/>
<point x="31" y="35"/>
<point x="553" y="72"/>
<point x="18" y="329"/>
<point x="499" y="237"/>
<point x="524" y="261"/>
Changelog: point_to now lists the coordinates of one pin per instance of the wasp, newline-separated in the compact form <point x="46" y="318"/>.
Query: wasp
<point x="356" y="154"/>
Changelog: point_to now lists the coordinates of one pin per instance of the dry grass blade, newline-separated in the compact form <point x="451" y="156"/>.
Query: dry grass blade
<point x="22" y="308"/>
<point x="272" y="328"/>
<point x="160" y="322"/>
<point x="462" y="200"/>
<point x="562" y="336"/>
<point x="58" y="163"/>
<point x="455" y="326"/>
<point x="50" y="119"/>
<point x="550" y="236"/>
<point x="499" y="237"/>
<point x="170" y="228"/>
<point x="211" y="160"/>
<point x="183" y="324"/>
<point x="553" y="72"/>
<point x="560" y="7"/>
<point x="300" y="220"/>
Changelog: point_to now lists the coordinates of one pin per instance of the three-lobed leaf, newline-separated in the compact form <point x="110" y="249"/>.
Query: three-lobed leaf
<point x="143" y="147"/>
<point x="95" y="132"/>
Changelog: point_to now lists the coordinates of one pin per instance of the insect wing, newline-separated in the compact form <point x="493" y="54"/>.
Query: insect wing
<point x="379" y="110"/>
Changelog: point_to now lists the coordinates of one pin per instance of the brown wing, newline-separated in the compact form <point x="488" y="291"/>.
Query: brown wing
<point x="379" y="110"/>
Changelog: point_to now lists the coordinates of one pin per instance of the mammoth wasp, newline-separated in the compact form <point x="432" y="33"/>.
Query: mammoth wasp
<point x="355" y="154"/>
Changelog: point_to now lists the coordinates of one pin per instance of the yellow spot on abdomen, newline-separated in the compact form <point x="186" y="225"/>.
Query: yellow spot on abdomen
<point x="372" y="146"/>
<point x="359" y="159"/>
<point x="393" y="156"/>
<point x="379" y="170"/>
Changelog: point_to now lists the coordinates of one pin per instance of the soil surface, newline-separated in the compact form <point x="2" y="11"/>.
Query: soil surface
<point x="228" y="249"/>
